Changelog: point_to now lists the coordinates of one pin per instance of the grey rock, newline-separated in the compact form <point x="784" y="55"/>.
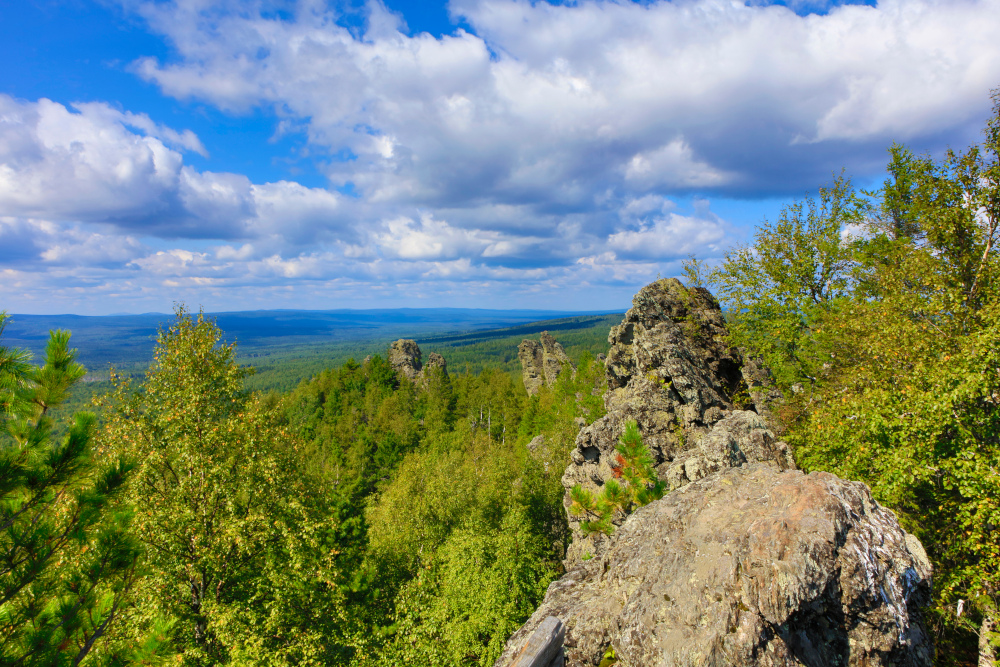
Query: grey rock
<point x="746" y="561"/>
<point x="669" y="369"/>
<point x="541" y="362"/>
<point x="537" y="444"/>
<point x="405" y="358"/>
<point x="741" y="437"/>
<point x="749" y="566"/>
<point x="435" y="360"/>
<point x="544" y="647"/>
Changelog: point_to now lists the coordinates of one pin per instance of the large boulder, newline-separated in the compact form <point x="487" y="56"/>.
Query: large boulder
<point x="699" y="404"/>
<point x="404" y="357"/>
<point x="749" y="566"/>
<point x="541" y="362"/>
<point x="745" y="561"/>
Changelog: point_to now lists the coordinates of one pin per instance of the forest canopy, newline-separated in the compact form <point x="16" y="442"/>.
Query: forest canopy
<point x="360" y="518"/>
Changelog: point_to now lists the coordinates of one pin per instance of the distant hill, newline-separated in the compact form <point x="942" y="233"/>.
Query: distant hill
<point x="304" y="340"/>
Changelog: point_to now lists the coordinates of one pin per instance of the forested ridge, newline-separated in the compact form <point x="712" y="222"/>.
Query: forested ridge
<point x="363" y="518"/>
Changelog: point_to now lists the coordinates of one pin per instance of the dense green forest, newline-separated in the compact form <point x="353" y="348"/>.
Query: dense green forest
<point x="356" y="519"/>
<point x="361" y="518"/>
<point x="283" y="364"/>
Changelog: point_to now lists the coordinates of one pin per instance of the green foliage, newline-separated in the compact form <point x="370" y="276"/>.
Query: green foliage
<point x="356" y="421"/>
<point x="694" y="272"/>
<point x="492" y="402"/>
<point x="362" y="518"/>
<point x="464" y="539"/>
<point x="468" y="596"/>
<point x="780" y="287"/>
<point x="609" y="658"/>
<point x="242" y="547"/>
<point x="67" y="562"/>
<point x="555" y="411"/>
<point x="902" y="352"/>
<point x="634" y="466"/>
<point x="15" y="373"/>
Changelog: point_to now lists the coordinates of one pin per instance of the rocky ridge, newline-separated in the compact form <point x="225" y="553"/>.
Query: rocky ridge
<point x="670" y="370"/>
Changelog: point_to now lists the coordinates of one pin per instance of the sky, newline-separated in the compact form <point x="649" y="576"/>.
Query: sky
<point x="242" y="155"/>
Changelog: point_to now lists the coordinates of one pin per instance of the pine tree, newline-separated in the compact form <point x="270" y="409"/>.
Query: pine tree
<point x="634" y="466"/>
<point x="243" y="547"/>
<point x="67" y="562"/>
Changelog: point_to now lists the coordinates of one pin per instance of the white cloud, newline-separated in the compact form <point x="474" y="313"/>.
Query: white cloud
<point x="653" y="233"/>
<point x="44" y="244"/>
<point x="186" y="139"/>
<point x="672" y="237"/>
<point x="59" y="164"/>
<point x="85" y="164"/>
<point x="711" y="95"/>
<point x="294" y="212"/>
<point x="542" y="150"/>
<point x="431" y="239"/>
<point x="673" y="166"/>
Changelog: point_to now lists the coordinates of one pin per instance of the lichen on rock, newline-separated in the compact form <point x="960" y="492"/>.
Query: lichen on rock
<point x="750" y="566"/>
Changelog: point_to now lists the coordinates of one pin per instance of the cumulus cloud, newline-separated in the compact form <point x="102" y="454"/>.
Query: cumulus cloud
<point x="543" y="148"/>
<point x="86" y="164"/>
<point x="436" y="240"/>
<point x="673" y="236"/>
<point x="44" y="244"/>
<point x="547" y="104"/>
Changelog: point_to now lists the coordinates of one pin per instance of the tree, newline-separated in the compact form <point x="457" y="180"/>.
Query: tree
<point x="471" y="594"/>
<point x="243" y="547"/>
<point x="903" y="352"/>
<point x="634" y="466"/>
<point x="491" y="401"/>
<point x="357" y="423"/>
<point x="68" y="564"/>
<point x="779" y="287"/>
<point x="462" y="549"/>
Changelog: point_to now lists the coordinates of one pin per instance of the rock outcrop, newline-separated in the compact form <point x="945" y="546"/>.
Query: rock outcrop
<point x="405" y="359"/>
<point x="541" y="362"/>
<point x="751" y="566"/>
<point x="670" y="369"/>
<point x="746" y="561"/>
<point x="435" y="360"/>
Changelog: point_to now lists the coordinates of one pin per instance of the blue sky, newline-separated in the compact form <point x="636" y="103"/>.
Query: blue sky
<point x="477" y="153"/>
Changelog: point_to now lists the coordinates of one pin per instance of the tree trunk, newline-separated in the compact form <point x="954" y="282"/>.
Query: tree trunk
<point x="986" y="655"/>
